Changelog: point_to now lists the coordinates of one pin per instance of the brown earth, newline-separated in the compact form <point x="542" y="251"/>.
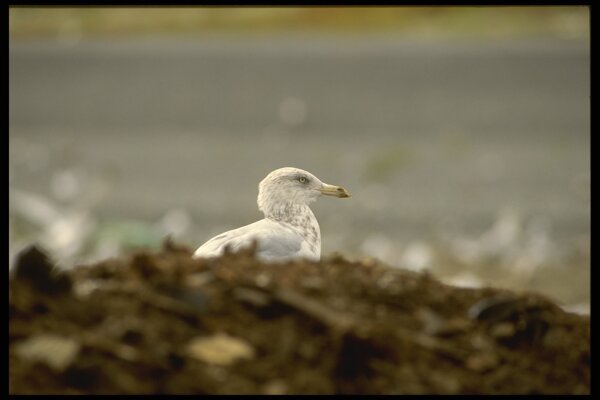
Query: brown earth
<point x="164" y="323"/>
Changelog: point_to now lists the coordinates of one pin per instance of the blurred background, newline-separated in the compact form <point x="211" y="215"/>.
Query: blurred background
<point x="462" y="133"/>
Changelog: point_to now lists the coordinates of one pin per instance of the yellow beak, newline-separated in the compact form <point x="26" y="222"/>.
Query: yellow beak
<point x="332" y="190"/>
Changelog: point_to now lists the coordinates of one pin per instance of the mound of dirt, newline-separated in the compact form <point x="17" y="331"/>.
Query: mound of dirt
<point x="164" y="323"/>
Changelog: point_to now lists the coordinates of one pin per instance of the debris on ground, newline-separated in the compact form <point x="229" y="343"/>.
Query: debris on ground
<point x="164" y="323"/>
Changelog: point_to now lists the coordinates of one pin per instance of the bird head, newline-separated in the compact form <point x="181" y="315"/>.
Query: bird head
<point x="293" y="186"/>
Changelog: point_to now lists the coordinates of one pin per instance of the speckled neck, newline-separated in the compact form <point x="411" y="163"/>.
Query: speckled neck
<point x="291" y="213"/>
<point x="301" y="219"/>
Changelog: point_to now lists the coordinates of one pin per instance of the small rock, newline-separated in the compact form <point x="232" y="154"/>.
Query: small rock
<point x="199" y="279"/>
<point x="84" y="288"/>
<point x="220" y="349"/>
<point x="262" y="280"/>
<point x="56" y="351"/>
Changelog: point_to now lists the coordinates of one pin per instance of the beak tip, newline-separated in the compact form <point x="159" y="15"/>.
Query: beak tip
<point x="343" y="193"/>
<point x="335" y="191"/>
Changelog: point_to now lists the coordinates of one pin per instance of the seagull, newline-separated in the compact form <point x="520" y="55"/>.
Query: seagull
<point x="289" y="229"/>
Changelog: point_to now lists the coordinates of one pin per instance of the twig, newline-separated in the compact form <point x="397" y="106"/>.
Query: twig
<point x="314" y="309"/>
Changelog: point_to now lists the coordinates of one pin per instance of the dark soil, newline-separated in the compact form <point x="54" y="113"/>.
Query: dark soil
<point x="128" y="325"/>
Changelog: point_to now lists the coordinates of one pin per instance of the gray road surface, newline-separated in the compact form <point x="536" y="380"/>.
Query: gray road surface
<point x="421" y="133"/>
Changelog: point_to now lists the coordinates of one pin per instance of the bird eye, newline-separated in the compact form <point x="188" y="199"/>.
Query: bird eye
<point x="302" y="179"/>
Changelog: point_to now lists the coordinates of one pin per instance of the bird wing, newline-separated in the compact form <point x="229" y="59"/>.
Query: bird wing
<point x="275" y="241"/>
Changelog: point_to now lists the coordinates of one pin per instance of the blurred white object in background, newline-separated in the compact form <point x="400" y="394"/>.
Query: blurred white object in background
<point x="504" y="235"/>
<point x="67" y="235"/>
<point x="517" y="245"/>
<point x="417" y="256"/>
<point x="176" y="222"/>
<point x="464" y="280"/>
<point x="499" y="243"/>
<point x="63" y="230"/>
<point x="66" y="185"/>
<point x="536" y="251"/>
<point x="35" y="208"/>
<point x="381" y="247"/>
<point x="579" y="308"/>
